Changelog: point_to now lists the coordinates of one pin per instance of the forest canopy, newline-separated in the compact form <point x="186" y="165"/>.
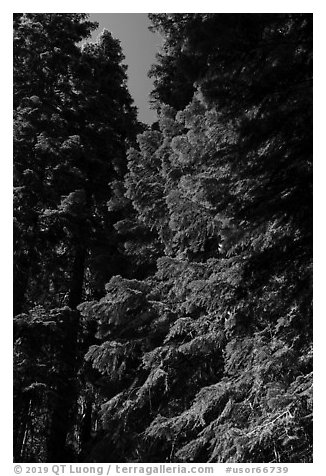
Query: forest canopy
<point x="163" y="273"/>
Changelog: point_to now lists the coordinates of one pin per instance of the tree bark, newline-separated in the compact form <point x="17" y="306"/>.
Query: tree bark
<point x="66" y="394"/>
<point x="77" y="277"/>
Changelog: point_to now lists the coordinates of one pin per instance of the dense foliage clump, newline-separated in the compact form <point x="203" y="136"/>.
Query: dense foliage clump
<point x="199" y="349"/>
<point x="73" y="123"/>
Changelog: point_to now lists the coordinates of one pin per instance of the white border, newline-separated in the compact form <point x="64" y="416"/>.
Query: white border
<point x="231" y="6"/>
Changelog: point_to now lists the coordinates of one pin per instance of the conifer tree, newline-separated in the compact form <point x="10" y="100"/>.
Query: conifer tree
<point x="199" y="349"/>
<point x="210" y="358"/>
<point x="74" y="121"/>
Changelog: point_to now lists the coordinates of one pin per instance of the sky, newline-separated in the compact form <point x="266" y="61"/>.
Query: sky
<point x="139" y="46"/>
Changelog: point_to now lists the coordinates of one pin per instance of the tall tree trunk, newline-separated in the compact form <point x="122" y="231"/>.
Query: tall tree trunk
<point x="77" y="277"/>
<point x="63" y="414"/>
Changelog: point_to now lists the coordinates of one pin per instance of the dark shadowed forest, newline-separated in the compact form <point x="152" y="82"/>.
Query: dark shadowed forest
<point x="163" y="273"/>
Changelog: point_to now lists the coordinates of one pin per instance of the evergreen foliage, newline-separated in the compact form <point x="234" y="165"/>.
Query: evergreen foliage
<point x="73" y="123"/>
<point x="201" y="350"/>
